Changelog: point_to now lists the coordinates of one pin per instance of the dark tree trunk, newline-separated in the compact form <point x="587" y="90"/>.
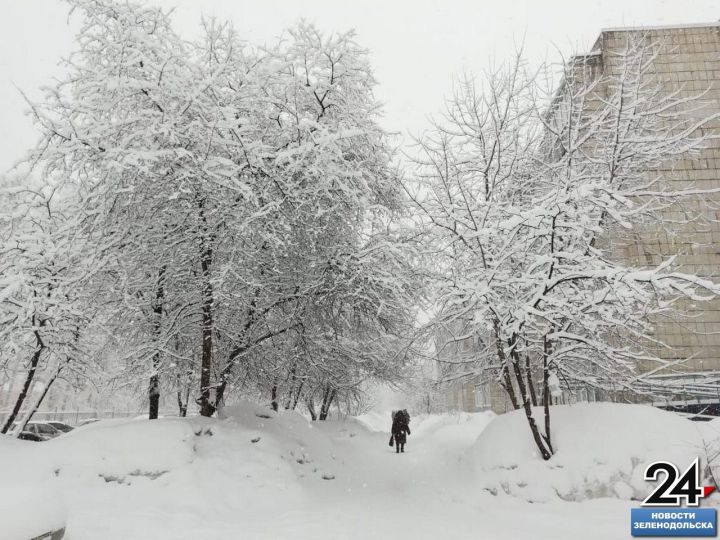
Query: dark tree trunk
<point x="325" y="394"/>
<point x="506" y="381"/>
<point x="531" y="386"/>
<point x="544" y="452"/>
<point x="182" y="403"/>
<point x="288" y="399"/>
<point x="222" y="385"/>
<point x="42" y="398"/>
<point x="311" y="408"/>
<point x="207" y="407"/>
<point x="154" y="395"/>
<point x="297" y="395"/>
<point x="39" y="347"/>
<point x="182" y="406"/>
<point x="508" y="385"/>
<point x="273" y="398"/>
<point x="546" y="393"/>
<point x="154" y="389"/>
<point x="291" y="391"/>
<point x="327" y="402"/>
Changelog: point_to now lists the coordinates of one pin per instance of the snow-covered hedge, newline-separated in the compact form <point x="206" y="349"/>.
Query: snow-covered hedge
<point x="601" y="450"/>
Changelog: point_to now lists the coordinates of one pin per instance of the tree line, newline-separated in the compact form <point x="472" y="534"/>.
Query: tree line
<point x="221" y="217"/>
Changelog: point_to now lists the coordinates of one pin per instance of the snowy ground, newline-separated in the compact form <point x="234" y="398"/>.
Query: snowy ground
<point x="197" y="478"/>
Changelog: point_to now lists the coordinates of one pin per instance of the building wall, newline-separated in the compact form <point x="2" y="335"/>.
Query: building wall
<point x="688" y="63"/>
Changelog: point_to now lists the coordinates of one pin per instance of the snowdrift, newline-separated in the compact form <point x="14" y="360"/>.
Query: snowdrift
<point x="286" y="436"/>
<point x="30" y="504"/>
<point x="164" y="473"/>
<point x="601" y="450"/>
<point x="256" y="473"/>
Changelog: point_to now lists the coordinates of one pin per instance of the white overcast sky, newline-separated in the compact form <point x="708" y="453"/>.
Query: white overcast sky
<point x="416" y="46"/>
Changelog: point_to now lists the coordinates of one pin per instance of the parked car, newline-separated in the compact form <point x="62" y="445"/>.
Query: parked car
<point x="61" y="426"/>
<point x="42" y="429"/>
<point x="29" y="436"/>
<point x="87" y="421"/>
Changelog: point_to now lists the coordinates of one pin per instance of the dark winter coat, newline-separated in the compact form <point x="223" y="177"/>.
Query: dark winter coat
<point x="399" y="429"/>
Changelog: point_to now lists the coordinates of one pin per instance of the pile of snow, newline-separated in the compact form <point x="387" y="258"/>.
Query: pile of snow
<point x="286" y="435"/>
<point x="30" y="504"/>
<point x="256" y="473"/>
<point x="118" y="449"/>
<point x="601" y="450"/>
<point x="157" y="478"/>
<point x="85" y="473"/>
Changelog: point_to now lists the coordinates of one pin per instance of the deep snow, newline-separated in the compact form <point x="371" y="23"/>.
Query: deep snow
<point x="602" y="450"/>
<point x="259" y="474"/>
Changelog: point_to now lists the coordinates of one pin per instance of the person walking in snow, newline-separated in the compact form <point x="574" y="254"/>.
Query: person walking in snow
<point x="400" y="427"/>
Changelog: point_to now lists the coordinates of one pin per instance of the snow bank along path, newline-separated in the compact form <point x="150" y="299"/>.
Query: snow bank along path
<point x="259" y="474"/>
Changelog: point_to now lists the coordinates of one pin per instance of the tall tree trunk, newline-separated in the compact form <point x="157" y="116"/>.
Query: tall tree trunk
<point x="33" y="410"/>
<point x="39" y="348"/>
<point x="207" y="407"/>
<point x="154" y="389"/>
<point x="544" y="452"/>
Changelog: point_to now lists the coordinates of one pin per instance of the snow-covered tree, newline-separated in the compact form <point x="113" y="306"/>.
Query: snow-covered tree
<point x="42" y="305"/>
<point x="523" y="199"/>
<point x="240" y="203"/>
